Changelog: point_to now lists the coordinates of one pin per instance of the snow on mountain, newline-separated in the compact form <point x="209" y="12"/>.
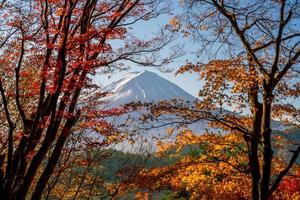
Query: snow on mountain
<point x="145" y="87"/>
<point x="149" y="87"/>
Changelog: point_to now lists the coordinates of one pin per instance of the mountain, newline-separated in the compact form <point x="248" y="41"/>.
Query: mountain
<point x="144" y="87"/>
<point x="149" y="87"/>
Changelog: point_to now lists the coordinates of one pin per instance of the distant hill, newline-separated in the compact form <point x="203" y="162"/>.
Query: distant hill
<point x="290" y="135"/>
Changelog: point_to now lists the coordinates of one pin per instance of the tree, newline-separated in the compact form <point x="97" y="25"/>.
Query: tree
<point x="269" y="47"/>
<point x="258" y="71"/>
<point x="49" y="50"/>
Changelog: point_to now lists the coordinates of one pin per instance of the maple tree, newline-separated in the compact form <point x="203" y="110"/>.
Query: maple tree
<point x="49" y="50"/>
<point x="266" y="58"/>
<point x="257" y="73"/>
<point x="212" y="167"/>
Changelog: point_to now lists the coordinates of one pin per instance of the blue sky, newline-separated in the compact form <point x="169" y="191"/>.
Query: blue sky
<point x="188" y="82"/>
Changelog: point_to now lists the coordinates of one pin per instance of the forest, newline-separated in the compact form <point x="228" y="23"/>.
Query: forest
<point x="150" y="99"/>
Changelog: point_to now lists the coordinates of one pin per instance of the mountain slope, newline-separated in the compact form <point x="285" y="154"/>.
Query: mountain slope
<point x="145" y="87"/>
<point x="149" y="87"/>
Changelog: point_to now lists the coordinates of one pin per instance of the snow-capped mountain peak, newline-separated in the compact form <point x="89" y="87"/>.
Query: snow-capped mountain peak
<point x="145" y="87"/>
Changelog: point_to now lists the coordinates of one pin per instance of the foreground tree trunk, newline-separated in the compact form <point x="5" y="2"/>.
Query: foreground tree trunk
<point x="267" y="148"/>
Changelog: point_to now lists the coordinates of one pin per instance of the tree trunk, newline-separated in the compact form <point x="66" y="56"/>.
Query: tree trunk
<point x="256" y="108"/>
<point x="267" y="149"/>
<point x="253" y="155"/>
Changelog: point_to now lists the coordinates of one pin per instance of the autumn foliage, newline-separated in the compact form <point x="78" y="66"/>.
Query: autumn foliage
<point x="254" y="73"/>
<point x="54" y="129"/>
<point x="49" y="51"/>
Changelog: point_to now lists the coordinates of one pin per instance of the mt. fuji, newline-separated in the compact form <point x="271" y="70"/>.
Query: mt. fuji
<point x="144" y="87"/>
<point x="149" y="87"/>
